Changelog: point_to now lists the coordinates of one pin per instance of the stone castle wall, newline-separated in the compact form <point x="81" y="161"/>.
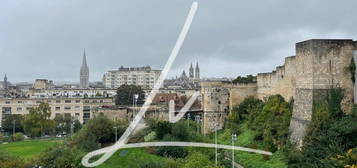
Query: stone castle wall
<point x="281" y="81"/>
<point x="321" y="65"/>
<point x="318" y="66"/>
<point x="217" y="100"/>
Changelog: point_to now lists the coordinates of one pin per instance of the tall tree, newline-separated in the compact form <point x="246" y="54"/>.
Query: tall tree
<point x="125" y="95"/>
<point x="8" y="123"/>
<point x="38" y="122"/>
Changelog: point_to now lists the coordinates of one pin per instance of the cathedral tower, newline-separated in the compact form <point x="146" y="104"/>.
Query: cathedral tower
<point x="197" y="71"/>
<point x="191" y="73"/>
<point x="84" y="73"/>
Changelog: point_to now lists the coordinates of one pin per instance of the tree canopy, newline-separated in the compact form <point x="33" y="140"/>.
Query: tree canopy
<point x="125" y="95"/>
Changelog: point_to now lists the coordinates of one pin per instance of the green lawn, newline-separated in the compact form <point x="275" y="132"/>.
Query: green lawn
<point x="27" y="149"/>
<point x="131" y="159"/>
<point x="247" y="159"/>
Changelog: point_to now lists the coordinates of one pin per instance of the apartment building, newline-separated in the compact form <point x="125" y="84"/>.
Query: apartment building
<point x="141" y="76"/>
<point x="79" y="108"/>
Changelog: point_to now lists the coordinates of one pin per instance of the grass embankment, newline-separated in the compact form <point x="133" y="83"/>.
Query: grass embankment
<point x="27" y="149"/>
<point x="247" y="159"/>
<point x="130" y="158"/>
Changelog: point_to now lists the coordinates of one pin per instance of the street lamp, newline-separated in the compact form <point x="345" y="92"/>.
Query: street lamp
<point x="215" y="129"/>
<point x="198" y="118"/>
<point x="135" y="100"/>
<point x="116" y="133"/>
<point x="234" y="137"/>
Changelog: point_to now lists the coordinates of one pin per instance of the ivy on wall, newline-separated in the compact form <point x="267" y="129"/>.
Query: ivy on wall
<point x="352" y="69"/>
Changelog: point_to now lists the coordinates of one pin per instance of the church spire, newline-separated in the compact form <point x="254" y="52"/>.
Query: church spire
<point x="84" y="72"/>
<point x="84" y="60"/>
<point x="197" y="71"/>
<point x="5" y="82"/>
<point x="191" y="72"/>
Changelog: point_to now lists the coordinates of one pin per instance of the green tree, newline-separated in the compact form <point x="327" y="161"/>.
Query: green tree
<point x="163" y="128"/>
<point x="125" y="95"/>
<point x="8" y="123"/>
<point x="98" y="130"/>
<point x="38" y="122"/>
<point x="246" y="79"/>
<point x="272" y="122"/>
<point x="63" y="123"/>
<point x="243" y="110"/>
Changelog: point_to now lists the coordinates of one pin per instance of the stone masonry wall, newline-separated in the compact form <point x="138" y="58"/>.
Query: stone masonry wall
<point x="319" y="65"/>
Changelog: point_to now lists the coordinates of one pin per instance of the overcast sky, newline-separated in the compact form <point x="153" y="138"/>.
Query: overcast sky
<point x="46" y="38"/>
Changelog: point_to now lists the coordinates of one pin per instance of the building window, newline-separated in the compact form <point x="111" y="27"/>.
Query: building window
<point x="78" y="107"/>
<point x="19" y="102"/>
<point x="7" y="102"/>
<point x="58" y="101"/>
<point x="78" y="101"/>
<point x="67" y="101"/>
<point x="19" y="109"/>
<point x="58" y="108"/>
<point x="67" y="108"/>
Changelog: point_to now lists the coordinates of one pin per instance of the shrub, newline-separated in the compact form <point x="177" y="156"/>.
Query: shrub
<point x="61" y="156"/>
<point x="171" y="151"/>
<point x="7" y="161"/>
<point x="98" y="130"/>
<point x="150" y="137"/>
<point x="17" y="137"/>
<point x="163" y="128"/>
<point x="2" y="138"/>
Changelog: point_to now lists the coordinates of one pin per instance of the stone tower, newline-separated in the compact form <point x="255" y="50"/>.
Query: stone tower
<point x="191" y="73"/>
<point x="197" y="71"/>
<point x="84" y="73"/>
<point x="320" y="66"/>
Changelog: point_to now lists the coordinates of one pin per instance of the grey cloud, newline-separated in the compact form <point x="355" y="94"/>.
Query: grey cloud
<point x="45" y="39"/>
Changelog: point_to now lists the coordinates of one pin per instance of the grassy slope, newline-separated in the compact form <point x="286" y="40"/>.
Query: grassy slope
<point x="27" y="149"/>
<point x="251" y="160"/>
<point x="131" y="159"/>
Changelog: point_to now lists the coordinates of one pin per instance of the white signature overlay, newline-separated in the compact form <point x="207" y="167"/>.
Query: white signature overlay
<point x="122" y="142"/>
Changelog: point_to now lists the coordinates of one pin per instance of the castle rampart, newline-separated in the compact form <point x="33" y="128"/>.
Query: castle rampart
<point x="319" y="65"/>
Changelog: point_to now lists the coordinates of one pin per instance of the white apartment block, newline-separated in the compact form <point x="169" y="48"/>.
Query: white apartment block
<point x="141" y="76"/>
<point x="79" y="108"/>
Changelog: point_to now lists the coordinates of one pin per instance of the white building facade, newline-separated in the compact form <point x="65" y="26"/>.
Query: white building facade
<point x="141" y="76"/>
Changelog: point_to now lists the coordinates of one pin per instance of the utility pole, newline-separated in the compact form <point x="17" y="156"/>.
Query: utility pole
<point x="234" y="137"/>
<point x="72" y="125"/>
<point x="197" y="118"/>
<point x="116" y="133"/>
<point x="13" y="127"/>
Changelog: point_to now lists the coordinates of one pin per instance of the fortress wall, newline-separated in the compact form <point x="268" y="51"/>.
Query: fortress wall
<point x="320" y="65"/>
<point x="238" y="92"/>
<point x="218" y="98"/>
<point x="281" y="81"/>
